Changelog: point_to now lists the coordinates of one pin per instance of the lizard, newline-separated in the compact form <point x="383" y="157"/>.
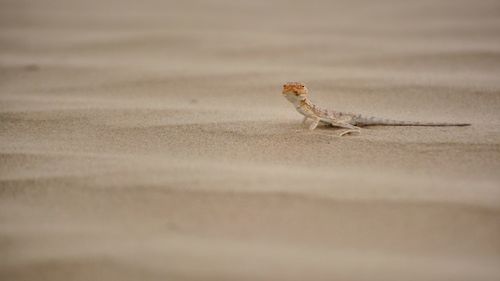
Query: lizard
<point x="298" y="94"/>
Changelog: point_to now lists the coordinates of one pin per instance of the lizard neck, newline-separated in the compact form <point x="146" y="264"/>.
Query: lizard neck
<point x="302" y="102"/>
<point x="305" y="107"/>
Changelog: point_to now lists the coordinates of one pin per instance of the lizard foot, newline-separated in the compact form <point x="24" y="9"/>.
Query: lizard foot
<point x="348" y="132"/>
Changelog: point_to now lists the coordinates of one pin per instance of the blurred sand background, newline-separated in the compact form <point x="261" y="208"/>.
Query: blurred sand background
<point x="148" y="140"/>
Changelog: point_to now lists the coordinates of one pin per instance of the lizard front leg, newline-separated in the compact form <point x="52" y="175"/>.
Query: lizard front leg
<point x="314" y="124"/>
<point x="303" y="123"/>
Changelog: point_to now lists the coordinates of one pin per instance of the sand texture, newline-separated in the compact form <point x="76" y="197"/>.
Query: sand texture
<point x="148" y="140"/>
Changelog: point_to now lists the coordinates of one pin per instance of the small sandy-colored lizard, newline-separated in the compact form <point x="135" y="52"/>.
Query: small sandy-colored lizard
<point x="297" y="94"/>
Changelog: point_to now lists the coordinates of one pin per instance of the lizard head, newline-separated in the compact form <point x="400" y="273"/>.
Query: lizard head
<point x="295" y="91"/>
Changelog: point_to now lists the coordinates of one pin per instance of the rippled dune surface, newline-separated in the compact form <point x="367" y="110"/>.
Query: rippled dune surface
<point x="148" y="140"/>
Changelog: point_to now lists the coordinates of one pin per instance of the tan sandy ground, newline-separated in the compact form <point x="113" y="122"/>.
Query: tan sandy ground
<point x="150" y="141"/>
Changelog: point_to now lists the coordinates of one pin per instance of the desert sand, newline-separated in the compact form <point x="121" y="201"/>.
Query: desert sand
<point x="148" y="140"/>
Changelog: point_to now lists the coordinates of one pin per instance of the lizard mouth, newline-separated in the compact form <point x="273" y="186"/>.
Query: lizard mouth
<point x="291" y="93"/>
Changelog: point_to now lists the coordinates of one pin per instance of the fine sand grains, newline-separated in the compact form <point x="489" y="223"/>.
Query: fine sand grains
<point x="148" y="140"/>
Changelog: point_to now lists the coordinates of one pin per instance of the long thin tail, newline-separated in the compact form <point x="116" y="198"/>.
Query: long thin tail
<point x="373" y="121"/>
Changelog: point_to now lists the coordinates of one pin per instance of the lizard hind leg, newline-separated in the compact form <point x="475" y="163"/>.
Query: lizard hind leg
<point x="349" y="131"/>
<point x="351" y="128"/>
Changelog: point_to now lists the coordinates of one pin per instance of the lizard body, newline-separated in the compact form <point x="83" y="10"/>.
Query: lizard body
<point x="298" y="94"/>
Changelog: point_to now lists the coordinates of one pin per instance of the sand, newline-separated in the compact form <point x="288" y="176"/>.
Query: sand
<point x="148" y="140"/>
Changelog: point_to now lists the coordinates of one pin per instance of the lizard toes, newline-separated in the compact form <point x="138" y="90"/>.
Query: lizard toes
<point x="348" y="132"/>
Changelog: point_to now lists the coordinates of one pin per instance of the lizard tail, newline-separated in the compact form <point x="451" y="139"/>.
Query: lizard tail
<point x="372" y="121"/>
